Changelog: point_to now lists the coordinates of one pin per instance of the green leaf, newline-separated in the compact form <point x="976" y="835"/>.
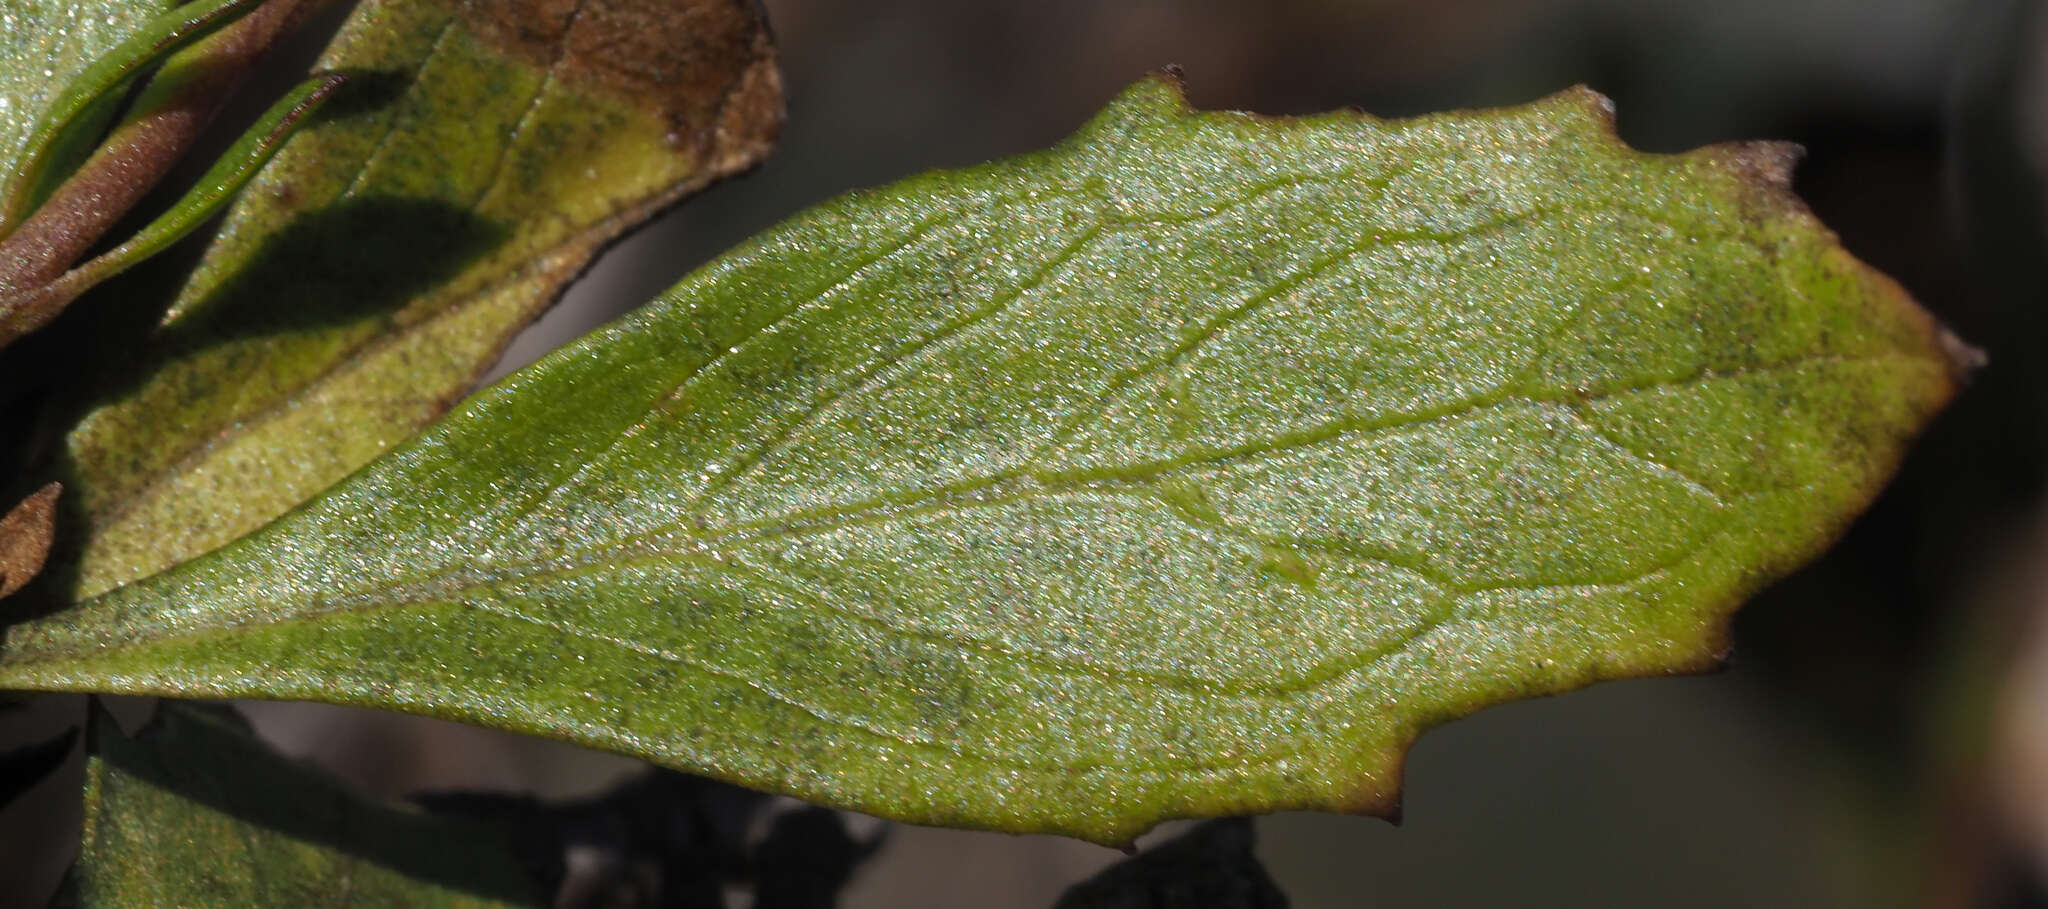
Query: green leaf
<point x="1209" y="867"/>
<point x="1191" y="468"/>
<point x="193" y="811"/>
<point x="360" y="285"/>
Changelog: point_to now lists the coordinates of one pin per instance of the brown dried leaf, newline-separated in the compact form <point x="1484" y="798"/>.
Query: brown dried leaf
<point x="25" y="538"/>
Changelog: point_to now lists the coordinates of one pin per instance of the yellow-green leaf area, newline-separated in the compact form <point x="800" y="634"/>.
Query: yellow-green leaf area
<point x="194" y="811"/>
<point x="483" y="153"/>
<point x="1190" y="468"/>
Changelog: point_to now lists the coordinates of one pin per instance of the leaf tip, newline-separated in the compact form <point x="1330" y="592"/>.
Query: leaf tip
<point x="1377" y="792"/>
<point x="1922" y="334"/>
<point x="1376" y="800"/>
<point x="1764" y="172"/>
<point x="1964" y="358"/>
<point x="25" y="535"/>
<point x="1161" y="95"/>
<point x="1765" y="163"/>
<point x="1591" y="102"/>
<point x="1580" y="109"/>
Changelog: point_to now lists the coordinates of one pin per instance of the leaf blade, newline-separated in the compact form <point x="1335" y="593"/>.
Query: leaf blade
<point x="1190" y="468"/>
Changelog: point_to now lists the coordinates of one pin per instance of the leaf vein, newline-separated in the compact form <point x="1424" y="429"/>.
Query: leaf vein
<point x="673" y="387"/>
<point x="821" y="714"/>
<point x="391" y="125"/>
<point x="1579" y="416"/>
<point x="874" y="378"/>
<point x="984" y="491"/>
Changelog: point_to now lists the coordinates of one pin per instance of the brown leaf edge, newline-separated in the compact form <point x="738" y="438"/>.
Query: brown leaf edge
<point x="25" y="535"/>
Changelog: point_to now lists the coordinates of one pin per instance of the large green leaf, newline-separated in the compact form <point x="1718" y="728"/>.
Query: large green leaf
<point x="194" y="811"/>
<point x="1190" y="468"/>
<point x="380" y="263"/>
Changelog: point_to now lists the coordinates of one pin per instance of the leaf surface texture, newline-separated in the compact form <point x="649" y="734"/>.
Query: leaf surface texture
<point x="1189" y="468"/>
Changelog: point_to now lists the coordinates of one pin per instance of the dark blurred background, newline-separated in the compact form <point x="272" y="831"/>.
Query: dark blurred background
<point x="1880" y="737"/>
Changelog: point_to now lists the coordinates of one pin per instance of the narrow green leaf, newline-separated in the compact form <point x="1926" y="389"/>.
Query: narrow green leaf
<point x="1191" y="468"/>
<point x="193" y="811"/>
<point x="377" y="267"/>
<point x="25" y="311"/>
<point x="64" y="131"/>
<point x="227" y="176"/>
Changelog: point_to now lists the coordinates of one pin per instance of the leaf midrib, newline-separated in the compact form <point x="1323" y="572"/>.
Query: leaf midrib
<point x="719" y="550"/>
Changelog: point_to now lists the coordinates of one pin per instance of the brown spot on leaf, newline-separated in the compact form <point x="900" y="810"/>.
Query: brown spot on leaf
<point x="1764" y="177"/>
<point x="706" y="67"/>
<point x="1766" y="163"/>
<point x="25" y="535"/>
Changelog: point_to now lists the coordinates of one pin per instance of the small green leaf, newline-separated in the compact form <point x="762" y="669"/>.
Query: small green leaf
<point x="370" y="274"/>
<point x="1191" y="468"/>
<point x="193" y="811"/>
<point x="228" y="174"/>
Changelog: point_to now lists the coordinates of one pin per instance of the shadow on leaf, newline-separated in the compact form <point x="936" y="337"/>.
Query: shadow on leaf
<point x="338" y="276"/>
<point x="209" y="765"/>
